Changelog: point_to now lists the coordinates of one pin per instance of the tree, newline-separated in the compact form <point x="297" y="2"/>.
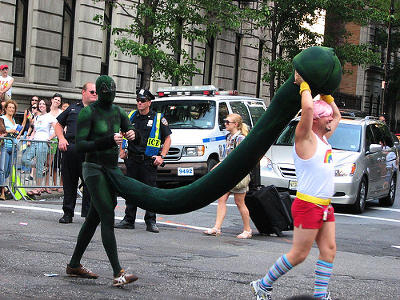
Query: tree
<point x="158" y="28"/>
<point x="287" y="28"/>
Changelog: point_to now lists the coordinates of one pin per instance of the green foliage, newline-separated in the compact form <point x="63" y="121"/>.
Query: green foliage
<point x="285" y="24"/>
<point x="158" y="26"/>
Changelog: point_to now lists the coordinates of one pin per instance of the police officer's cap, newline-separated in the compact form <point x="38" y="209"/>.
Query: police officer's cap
<point x="144" y="94"/>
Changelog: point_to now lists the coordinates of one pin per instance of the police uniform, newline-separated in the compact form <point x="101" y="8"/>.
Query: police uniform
<point x="139" y="164"/>
<point x="71" y="163"/>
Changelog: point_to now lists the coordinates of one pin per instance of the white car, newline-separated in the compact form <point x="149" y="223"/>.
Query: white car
<point x="365" y="161"/>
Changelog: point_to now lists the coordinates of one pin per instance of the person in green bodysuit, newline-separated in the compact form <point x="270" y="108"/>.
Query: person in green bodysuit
<point x="98" y="135"/>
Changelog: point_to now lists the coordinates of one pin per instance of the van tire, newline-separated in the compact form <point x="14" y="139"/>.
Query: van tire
<point x="389" y="199"/>
<point x="359" y="206"/>
<point x="211" y="162"/>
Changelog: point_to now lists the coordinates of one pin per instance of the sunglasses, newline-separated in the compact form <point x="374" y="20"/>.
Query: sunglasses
<point x="142" y="100"/>
<point x="92" y="92"/>
<point x="228" y="122"/>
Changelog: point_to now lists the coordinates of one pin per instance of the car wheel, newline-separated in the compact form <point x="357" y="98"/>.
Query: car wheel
<point x="389" y="199"/>
<point x="211" y="164"/>
<point x="359" y="206"/>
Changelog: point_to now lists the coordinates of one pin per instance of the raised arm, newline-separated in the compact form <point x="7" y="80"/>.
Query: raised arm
<point x="304" y="137"/>
<point x="336" y="114"/>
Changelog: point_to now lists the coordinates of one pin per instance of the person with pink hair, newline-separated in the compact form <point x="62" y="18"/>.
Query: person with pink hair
<point x="313" y="215"/>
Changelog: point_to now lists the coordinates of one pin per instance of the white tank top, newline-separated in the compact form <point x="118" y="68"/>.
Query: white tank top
<point x="315" y="175"/>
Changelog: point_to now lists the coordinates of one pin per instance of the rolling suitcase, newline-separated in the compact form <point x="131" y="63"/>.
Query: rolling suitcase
<point x="269" y="210"/>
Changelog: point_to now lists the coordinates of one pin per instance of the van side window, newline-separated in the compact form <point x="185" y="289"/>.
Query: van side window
<point x="369" y="138"/>
<point x="378" y="134"/>
<point x="241" y="109"/>
<point x="223" y="112"/>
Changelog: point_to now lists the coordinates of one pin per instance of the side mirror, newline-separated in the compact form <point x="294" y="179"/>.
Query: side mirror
<point x="373" y="148"/>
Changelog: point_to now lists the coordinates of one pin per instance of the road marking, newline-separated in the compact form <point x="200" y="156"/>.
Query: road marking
<point x="368" y="217"/>
<point x="59" y="211"/>
<point x="385" y="208"/>
<point x="398" y="247"/>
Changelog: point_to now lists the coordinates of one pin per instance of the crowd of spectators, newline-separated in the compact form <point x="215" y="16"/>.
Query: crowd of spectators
<point x="34" y="137"/>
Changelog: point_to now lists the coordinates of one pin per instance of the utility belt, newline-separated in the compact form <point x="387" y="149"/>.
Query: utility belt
<point x="312" y="199"/>
<point x="136" y="156"/>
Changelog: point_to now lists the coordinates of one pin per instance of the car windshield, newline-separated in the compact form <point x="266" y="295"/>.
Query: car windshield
<point x="346" y="137"/>
<point x="187" y="114"/>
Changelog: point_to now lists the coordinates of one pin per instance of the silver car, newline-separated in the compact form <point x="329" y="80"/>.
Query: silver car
<point x="365" y="161"/>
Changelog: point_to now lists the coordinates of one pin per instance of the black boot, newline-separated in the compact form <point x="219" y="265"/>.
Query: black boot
<point x="124" y="224"/>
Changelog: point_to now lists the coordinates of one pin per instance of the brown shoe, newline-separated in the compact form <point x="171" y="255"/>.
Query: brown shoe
<point x="81" y="271"/>
<point x="124" y="278"/>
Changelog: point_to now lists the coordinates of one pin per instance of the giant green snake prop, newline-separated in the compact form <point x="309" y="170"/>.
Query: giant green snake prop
<point x="319" y="66"/>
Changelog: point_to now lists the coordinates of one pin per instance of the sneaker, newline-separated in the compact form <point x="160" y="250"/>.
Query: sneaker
<point x="81" y="271"/>
<point x="124" y="278"/>
<point x="327" y="296"/>
<point x="260" y="292"/>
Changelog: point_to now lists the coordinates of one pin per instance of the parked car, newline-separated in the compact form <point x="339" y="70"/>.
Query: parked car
<point x="196" y="117"/>
<point x="364" y="156"/>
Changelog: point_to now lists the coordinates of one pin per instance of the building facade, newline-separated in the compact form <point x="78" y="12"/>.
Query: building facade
<point x="56" y="46"/>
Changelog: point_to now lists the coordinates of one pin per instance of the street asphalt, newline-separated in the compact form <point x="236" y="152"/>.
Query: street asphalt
<point x="182" y="263"/>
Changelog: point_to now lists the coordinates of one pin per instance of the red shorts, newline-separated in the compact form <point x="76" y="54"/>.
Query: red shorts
<point x="310" y="215"/>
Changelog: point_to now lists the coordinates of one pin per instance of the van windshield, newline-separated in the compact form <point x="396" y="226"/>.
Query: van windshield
<point x="346" y="137"/>
<point x="187" y="114"/>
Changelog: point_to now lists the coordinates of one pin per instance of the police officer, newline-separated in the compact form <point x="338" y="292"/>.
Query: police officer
<point x="142" y="158"/>
<point x="71" y="161"/>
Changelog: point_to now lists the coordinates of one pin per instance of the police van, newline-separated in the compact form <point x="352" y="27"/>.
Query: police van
<point x="195" y="115"/>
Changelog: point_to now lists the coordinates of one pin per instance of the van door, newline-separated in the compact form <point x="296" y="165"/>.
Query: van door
<point x="371" y="160"/>
<point x="388" y="160"/>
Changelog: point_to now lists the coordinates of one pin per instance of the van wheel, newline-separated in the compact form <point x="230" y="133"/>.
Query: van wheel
<point x="359" y="206"/>
<point x="211" y="164"/>
<point x="389" y="199"/>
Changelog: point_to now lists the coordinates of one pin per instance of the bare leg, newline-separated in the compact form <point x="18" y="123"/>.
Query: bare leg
<point x="326" y="242"/>
<point x="221" y="211"/>
<point x="244" y="212"/>
<point x="303" y="240"/>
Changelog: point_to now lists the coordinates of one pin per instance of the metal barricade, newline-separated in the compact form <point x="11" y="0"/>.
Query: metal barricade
<point x="8" y="147"/>
<point x="37" y="165"/>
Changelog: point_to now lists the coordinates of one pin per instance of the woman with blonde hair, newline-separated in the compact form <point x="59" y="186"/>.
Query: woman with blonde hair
<point x="237" y="132"/>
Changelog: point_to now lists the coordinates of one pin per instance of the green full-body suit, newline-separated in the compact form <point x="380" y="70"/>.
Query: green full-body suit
<point x="96" y="126"/>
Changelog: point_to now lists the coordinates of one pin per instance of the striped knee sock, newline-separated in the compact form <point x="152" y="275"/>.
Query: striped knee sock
<point x="323" y="271"/>
<point x="281" y="267"/>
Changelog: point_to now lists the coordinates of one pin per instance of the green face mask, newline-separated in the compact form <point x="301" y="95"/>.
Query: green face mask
<point x="105" y="87"/>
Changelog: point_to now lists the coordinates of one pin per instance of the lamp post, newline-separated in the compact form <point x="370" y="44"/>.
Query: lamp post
<point x="387" y="57"/>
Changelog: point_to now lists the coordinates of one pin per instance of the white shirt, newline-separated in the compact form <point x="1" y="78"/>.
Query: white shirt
<point x="4" y="82"/>
<point x="315" y="175"/>
<point x="43" y="125"/>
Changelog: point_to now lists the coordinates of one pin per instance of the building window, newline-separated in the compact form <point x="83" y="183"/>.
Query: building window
<point x="237" y="60"/>
<point x="208" y="61"/>
<point x="21" y="16"/>
<point x="67" y="40"/>
<point x="105" y="55"/>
